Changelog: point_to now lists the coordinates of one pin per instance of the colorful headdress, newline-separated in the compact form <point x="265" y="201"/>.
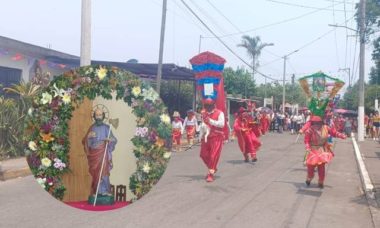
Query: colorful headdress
<point x="320" y="88"/>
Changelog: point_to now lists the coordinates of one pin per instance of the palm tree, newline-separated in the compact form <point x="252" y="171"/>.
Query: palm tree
<point x="254" y="47"/>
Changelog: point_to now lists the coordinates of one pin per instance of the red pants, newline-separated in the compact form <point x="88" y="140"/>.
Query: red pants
<point x="210" y="151"/>
<point x="251" y="144"/>
<point x="321" y="172"/>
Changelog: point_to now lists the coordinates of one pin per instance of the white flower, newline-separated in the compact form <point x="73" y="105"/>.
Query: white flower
<point x="30" y="111"/>
<point x="46" y="98"/>
<point x="167" y="155"/>
<point x="165" y="118"/>
<point x="89" y="71"/>
<point x="58" y="92"/>
<point x="146" y="168"/>
<point x="66" y="98"/>
<point x="150" y="94"/>
<point x="41" y="181"/>
<point x="32" y="145"/>
<point x="46" y="162"/>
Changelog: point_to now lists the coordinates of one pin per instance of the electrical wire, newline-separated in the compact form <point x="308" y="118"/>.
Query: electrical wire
<point x="302" y="6"/>
<point x="275" y="23"/>
<point x="224" y="44"/>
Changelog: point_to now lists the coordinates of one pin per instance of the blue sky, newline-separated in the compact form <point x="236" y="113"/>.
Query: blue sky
<point x="125" y="29"/>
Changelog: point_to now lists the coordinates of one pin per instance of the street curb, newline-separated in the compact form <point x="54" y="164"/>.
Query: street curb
<point x="367" y="185"/>
<point x="364" y="176"/>
<point x="15" y="173"/>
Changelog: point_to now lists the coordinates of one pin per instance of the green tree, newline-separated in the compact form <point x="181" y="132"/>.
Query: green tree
<point x="177" y="96"/>
<point x="253" y="46"/>
<point x="350" y="98"/>
<point x="238" y="82"/>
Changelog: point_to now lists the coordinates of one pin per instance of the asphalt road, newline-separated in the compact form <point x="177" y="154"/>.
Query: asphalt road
<point x="269" y="193"/>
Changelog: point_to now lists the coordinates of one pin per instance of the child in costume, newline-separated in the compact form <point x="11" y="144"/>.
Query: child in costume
<point x="177" y="129"/>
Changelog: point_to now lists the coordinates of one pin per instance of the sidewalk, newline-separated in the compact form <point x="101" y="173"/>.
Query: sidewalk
<point x="14" y="168"/>
<point x="370" y="151"/>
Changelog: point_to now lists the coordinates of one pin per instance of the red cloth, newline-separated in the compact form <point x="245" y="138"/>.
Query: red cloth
<point x="210" y="150"/>
<point x="248" y="142"/>
<point x="316" y="142"/>
<point x="205" y="57"/>
<point x="264" y="123"/>
<point x="89" y="207"/>
<point x="321" y="172"/>
<point x="176" y="136"/>
<point x="190" y="131"/>
<point x="95" y="158"/>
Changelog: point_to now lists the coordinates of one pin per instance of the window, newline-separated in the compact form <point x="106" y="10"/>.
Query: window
<point x="9" y="76"/>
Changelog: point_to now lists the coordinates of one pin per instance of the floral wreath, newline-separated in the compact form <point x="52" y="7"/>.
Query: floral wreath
<point x="46" y="127"/>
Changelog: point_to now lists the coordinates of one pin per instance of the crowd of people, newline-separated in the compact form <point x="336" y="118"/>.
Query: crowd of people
<point x="293" y="122"/>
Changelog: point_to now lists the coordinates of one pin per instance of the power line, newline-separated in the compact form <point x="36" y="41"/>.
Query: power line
<point x="302" y="6"/>
<point x="236" y="27"/>
<point x="275" y="23"/>
<point x="224" y="44"/>
<point x="213" y="6"/>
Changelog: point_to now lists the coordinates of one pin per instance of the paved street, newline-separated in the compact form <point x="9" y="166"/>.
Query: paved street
<point x="269" y="193"/>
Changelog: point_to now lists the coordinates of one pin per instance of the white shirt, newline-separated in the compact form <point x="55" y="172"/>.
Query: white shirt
<point x="177" y="125"/>
<point x="192" y="122"/>
<point x="218" y="123"/>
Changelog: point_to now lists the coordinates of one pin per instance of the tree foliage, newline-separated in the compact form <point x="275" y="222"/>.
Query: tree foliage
<point x="238" y="82"/>
<point x="350" y="98"/>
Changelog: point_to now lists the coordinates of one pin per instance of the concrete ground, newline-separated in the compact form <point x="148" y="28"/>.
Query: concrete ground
<point x="269" y="193"/>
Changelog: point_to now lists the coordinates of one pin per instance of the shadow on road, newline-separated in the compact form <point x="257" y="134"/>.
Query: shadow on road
<point x="239" y="162"/>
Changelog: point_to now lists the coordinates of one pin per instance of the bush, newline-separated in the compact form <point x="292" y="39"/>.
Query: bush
<point x="11" y="125"/>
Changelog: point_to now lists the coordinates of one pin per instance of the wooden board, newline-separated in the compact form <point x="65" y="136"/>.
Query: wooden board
<point x="78" y="181"/>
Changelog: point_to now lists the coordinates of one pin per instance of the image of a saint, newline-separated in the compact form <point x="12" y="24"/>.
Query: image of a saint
<point x="99" y="140"/>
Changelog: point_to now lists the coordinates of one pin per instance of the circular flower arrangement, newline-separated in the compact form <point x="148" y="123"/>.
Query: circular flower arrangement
<point x="46" y="139"/>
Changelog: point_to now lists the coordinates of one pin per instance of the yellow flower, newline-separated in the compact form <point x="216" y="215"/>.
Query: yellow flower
<point x="46" y="137"/>
<point x="146" y="168"/>
<point x="32" y="145"/>
<point x="165" y="118"/>
<point x="46" y="98"/>
<point x="66" y="98"/>
<point x="46" y="162"/>
<point x="101" y="73"/>
<point x="136" y="91"/>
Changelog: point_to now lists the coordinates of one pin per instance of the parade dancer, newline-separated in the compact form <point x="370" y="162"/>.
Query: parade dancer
<point x="191" y="126"/>
<point x="212" y="146"/>
<point x="177" y="129"/>
<point x="247" y="140"/>
<point x="264" y="123"/>
<point x="318" y="151"/>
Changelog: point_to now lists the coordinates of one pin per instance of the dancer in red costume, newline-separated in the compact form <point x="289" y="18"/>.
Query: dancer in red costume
<point x="318" y="151"/>
<point x="247" y="140"/>
<point x="264" y="123"/>
<point x="211" y="146"/>
<point x="190" y="125"/>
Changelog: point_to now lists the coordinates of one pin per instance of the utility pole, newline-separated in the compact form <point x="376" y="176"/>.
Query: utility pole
<point x="200" y="43"/>
<point x="85" y="43"/>
<point x="361" y="71"/>
<point x="159" y="68"/>
<point x="283" y="86"/>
